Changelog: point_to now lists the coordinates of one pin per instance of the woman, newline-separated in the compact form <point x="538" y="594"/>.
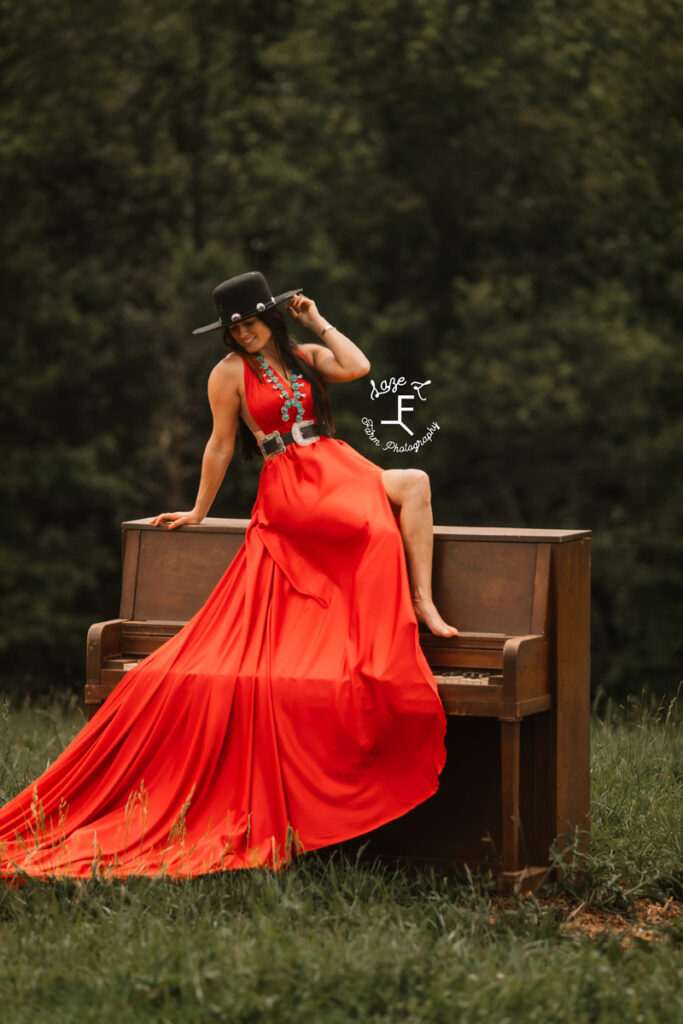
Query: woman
<point x="296" y="708"/>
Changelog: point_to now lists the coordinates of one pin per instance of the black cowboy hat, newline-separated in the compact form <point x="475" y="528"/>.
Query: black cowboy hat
<point x="241" y="297"/>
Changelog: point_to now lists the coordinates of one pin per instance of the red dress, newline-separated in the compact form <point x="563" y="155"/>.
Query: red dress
<point x="295" y="710"/>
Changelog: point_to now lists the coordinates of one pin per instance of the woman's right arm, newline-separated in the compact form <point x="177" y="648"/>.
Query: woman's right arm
<point x="224" y="400"/>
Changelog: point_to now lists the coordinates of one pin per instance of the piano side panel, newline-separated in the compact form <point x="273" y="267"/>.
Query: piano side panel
<point x="571" y="742"/>
<point x="485" y="586"/>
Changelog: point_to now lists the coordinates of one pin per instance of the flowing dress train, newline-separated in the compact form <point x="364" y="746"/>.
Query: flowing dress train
<point x="294" y="710"/>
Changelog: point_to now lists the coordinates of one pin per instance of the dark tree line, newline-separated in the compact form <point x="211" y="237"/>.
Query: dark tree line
<point x="485" y="195"/>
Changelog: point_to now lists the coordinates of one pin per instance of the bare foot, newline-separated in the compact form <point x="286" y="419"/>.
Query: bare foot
<point x="426" y="612"/>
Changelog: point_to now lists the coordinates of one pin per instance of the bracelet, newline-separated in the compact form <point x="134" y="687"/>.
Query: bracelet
<point x="328" y="328"/>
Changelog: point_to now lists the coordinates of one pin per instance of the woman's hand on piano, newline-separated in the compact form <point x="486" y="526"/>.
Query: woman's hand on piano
<point x="176" y="519"/>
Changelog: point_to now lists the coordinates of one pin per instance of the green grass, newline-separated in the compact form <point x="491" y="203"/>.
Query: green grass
<point x="344" y="940"/>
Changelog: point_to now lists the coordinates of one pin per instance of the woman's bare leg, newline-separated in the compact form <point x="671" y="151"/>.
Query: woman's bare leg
<point x="409" y="491"/>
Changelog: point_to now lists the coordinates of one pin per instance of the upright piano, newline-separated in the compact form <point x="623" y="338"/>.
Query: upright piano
<point x="514" y="683"/>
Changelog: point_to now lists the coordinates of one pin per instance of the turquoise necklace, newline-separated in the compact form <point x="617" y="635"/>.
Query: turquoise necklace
<point x="295" y="399"/>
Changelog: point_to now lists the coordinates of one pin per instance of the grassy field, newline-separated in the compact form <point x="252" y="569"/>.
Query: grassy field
<point x="339" y="940"/>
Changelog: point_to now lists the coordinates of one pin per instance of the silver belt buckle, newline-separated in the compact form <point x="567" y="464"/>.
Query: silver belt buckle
<point x="296" y="432"/>
<point x="282" y="447"/>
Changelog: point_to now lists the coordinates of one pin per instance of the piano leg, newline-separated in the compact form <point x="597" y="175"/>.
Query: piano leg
<point x="509" y="762"/>
<point x="512" y="877"/>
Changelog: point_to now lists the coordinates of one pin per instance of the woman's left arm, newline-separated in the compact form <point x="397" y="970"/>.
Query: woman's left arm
<point x="339" y="358"/>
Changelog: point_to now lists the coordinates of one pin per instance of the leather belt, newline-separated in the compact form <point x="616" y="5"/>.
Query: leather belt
<point x="302" y="433"/>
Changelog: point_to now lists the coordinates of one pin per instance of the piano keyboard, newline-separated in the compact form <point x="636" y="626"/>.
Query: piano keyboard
<point x="452" y="676"/>
<point x="457" y="677"/>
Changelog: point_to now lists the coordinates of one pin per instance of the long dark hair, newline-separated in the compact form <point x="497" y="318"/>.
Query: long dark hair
<point x="290" y="358"/>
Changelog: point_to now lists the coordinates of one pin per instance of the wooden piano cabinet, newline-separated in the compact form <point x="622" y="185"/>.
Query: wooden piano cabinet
<point x="514" y="683"/>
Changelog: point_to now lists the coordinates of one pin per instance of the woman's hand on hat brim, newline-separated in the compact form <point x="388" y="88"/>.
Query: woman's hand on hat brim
<point x="305" y="312"/>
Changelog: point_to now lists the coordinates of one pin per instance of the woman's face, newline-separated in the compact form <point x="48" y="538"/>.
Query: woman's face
<point x="251" y="334"/>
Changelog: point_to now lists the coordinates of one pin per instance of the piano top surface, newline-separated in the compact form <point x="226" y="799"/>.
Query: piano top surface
<point x="481" y="533"/>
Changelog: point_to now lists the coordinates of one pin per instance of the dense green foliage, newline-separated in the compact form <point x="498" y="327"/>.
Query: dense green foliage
<point x="338" y="940"/>
<point x="484" y="195"/>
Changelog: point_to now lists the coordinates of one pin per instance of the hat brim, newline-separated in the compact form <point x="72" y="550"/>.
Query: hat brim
<point x="277" y="301"/>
